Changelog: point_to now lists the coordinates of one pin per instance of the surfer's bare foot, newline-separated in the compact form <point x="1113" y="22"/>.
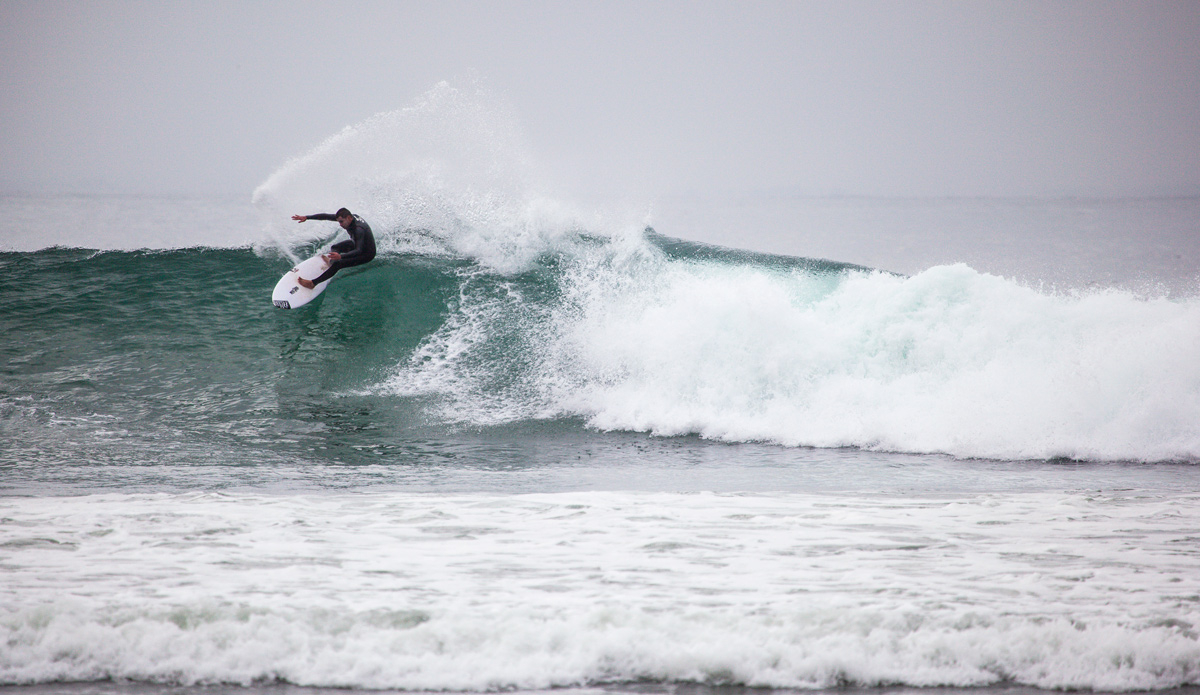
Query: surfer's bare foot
<point x="305" y="283"/>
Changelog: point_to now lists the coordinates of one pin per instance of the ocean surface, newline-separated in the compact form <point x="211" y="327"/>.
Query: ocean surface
<point x="527" y="448"/>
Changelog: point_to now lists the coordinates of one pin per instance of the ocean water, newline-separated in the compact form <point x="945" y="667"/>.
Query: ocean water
<point x="531" y="448"/>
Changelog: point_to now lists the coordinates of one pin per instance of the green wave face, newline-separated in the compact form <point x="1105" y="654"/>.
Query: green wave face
<point x="179" y="356"/>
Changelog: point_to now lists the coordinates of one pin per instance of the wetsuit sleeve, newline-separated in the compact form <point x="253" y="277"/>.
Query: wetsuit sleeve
<point x="324" y="216"/>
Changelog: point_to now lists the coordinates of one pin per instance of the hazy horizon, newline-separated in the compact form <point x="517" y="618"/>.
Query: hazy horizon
<point x="620" y="99"/>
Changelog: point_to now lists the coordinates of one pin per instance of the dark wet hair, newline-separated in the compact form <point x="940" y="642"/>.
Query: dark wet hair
<point x="343" y="212"/>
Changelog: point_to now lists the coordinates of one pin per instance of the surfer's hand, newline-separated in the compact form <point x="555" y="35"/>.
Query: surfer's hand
<point x="333" y="256"/>
<point x="299" y="218"/>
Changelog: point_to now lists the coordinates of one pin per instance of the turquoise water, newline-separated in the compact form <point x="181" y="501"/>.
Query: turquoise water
<point x="627" y="459"/>
<point x="117" y="357"/>
<point x="172" y="357"/>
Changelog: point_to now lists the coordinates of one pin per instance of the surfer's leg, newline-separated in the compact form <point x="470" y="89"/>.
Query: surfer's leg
<point x="331" y="271"/>
<point x="336" y="266"/>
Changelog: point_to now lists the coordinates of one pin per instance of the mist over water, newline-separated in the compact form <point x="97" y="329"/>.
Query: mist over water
<point x="447" y="175"/>
<point x="559" y="319"/>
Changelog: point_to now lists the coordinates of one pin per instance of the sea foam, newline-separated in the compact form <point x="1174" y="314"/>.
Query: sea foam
<point x="486" y="592"/>
<point x="949" y="360"/>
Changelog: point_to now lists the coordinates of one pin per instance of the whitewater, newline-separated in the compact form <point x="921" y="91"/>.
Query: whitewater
<point x="538" y="445"/>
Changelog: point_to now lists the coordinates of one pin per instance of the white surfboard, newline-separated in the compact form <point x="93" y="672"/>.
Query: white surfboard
<point x="289" y="294"/>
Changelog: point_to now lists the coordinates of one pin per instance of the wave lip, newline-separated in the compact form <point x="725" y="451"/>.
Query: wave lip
<point x="947" y="361"/>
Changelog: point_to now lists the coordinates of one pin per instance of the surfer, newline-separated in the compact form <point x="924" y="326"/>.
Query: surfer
<point x="358" y="249"/>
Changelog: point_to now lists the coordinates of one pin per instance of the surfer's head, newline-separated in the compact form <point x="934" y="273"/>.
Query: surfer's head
<point x="344" y="218"/>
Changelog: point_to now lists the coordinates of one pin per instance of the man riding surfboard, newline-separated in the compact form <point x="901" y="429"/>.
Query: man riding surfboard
<point x="358" y="249"/>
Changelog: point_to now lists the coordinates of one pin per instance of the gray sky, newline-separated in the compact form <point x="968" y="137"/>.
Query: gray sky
<point x="641" y="98"/>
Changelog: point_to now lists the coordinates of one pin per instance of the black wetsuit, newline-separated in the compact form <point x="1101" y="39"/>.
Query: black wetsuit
<point x="358" y="249"/>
